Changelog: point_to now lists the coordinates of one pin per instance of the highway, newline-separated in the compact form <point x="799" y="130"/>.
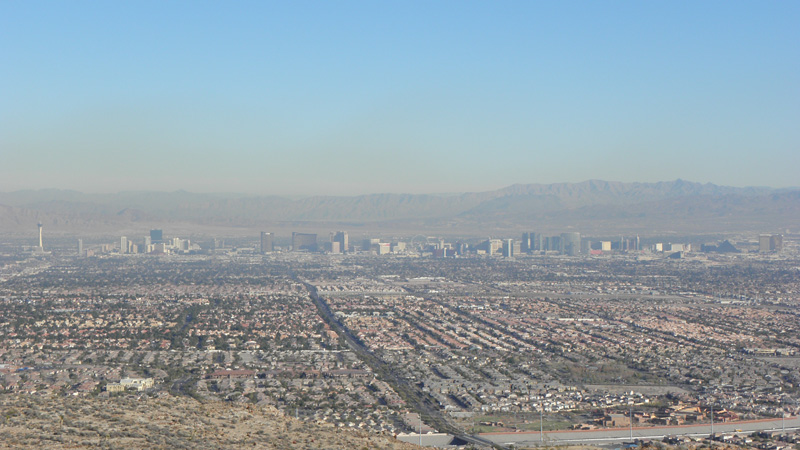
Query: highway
<point x="415" y="398"/>
<point x="624" y="434"/>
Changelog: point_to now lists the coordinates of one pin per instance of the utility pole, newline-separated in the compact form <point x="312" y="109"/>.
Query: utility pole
<point x="783" y="417"/>
<point x="631" y="422"/>
<point x="420" y="429"/>
<point x="712" y="419"/>
<point x="541" y="422"/>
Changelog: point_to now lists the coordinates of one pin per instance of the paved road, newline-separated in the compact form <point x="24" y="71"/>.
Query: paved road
<point x="415" y="398"/>
<point x="619" y="435"/>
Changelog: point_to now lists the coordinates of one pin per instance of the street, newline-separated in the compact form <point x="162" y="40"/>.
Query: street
<point x="624" y="434"/>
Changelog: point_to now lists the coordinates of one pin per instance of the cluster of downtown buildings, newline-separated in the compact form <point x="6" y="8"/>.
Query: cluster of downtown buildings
<point x="339" y="242"/>
<point x="568" y="243"/>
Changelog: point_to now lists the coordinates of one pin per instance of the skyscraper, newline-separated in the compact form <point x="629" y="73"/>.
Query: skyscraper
<point x="304" y="241"/>
<point x="535" y="242"/>
<point x="571" y="243"/>
<point x="770" y="243"/>
<point x="123" y="244"/>
<point x="41" y="246"/>
<point x="527" y="242"/>
<point x="508" y="248"/>
<point x="776" y="243"/>
<point x="80" y="247"/>
<point x="156" y="236"/>
<point x="342" y="239"/>
<point x="267" y="245"/>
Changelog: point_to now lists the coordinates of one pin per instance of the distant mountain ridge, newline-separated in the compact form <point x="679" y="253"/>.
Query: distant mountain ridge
<point x="593" y="203"/>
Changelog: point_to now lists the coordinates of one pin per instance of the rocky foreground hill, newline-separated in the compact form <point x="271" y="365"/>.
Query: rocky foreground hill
<point x="30" y="422"/>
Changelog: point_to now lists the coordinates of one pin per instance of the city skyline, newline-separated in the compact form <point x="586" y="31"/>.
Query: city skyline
<point x="359" y="98"/>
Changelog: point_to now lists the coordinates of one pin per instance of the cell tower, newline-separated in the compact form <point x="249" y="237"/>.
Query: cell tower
<point x="41" y="247"/>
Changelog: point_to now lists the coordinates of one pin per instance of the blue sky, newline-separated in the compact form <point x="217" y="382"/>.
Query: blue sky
<point x="361" y="97"/>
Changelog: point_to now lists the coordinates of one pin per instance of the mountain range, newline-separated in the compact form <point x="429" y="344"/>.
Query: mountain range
<point x="593" y="206"/>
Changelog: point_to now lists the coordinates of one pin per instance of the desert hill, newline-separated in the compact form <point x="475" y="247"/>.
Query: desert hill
<point x="32" y="422"/>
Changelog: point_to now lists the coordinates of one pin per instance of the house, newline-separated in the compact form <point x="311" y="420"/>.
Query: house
<point x="130" y="384"/>
<point x="230" y="374"/>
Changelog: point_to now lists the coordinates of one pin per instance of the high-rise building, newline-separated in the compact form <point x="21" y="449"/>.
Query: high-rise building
<point x="267" y="245"/>
<point x="670" y="247"/>
<point x="156" y="236"/>
<point x="776" y="243"/>
<point x="527" y="242"/>
<point x="553" y="243"/>
<point x="763" y="243"/>
<point x="123" y="244"/>
<point x="342" y="239"/>
<point x="41" y="245"/>
<point x="532" y="242"/>
<point x="370" y="244"/>
<point x="571" y="243"/>
<point x="770" y="243"/>
<point x="179" y="244"/>
<point x="304" y="241"/>
<point x="491" y="246"/>
<point x="80" y="247"/>
<point x="508" y="248"/>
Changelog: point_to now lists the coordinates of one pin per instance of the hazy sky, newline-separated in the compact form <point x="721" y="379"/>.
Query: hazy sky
<point x="345" y="97"/>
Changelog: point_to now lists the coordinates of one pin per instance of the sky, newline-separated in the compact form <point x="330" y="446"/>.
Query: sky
<point x="351" y="97"/>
